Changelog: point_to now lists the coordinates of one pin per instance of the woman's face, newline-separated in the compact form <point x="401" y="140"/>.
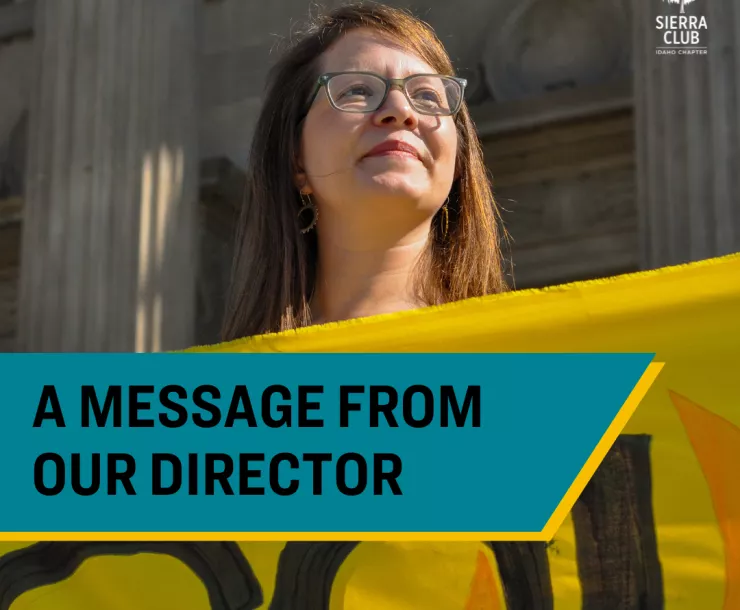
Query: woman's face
<point x="345" y="178"/>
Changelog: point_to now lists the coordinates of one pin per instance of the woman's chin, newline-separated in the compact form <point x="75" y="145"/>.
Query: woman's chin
<point x="397" y="186"/>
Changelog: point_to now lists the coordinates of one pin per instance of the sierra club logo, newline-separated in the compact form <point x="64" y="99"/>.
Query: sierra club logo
<point x="681" y="34"/>
<point x="683" y="4"/>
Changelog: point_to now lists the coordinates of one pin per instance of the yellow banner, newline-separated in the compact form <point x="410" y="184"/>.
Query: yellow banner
<point x="659" y="522"/>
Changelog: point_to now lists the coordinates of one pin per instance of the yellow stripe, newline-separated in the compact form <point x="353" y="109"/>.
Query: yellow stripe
<point x="272" y="536"/>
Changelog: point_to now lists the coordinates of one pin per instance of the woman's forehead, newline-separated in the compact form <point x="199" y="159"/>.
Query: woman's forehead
<point x="366" y="50"/>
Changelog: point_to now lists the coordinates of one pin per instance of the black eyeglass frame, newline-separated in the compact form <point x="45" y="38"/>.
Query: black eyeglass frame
<point x="390" y="83"/>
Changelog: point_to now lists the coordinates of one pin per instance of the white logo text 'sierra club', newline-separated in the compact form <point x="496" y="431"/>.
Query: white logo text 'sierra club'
<point x="681" y="34"/>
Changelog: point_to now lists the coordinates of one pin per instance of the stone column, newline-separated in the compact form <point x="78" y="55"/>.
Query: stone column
<point x="688" y="133"/>
<point x="108" y="258"/>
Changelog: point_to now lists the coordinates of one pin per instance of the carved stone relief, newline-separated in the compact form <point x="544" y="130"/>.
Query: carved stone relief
<point x="536" y="46"/>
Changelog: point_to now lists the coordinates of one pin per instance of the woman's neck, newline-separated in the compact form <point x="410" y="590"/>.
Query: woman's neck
<point x="357" y="282"/>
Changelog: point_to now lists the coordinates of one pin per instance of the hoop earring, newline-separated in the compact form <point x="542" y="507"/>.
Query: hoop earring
<point x="308" y="205"/>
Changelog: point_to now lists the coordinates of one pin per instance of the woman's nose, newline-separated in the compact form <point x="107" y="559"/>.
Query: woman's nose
<point x="396" y="110"/>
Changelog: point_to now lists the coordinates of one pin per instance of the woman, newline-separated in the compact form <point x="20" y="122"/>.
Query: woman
<point x="367" y="192"/>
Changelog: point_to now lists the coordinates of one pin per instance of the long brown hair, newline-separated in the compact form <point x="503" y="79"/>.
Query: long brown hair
<point x="275" y="264"/>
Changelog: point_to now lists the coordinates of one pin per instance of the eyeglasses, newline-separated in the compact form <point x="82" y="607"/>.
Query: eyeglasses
<point x="363" y="92"/>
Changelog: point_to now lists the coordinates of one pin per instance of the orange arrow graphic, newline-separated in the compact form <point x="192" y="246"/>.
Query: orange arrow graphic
<point x="484" y="593"/>
<point x="716" y="443"/>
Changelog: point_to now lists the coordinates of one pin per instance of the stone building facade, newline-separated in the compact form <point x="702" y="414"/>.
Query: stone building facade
<point x="124" y="125"/>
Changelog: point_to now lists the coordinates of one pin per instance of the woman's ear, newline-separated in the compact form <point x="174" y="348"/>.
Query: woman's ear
<point x="300" y="178"/>
<point x="301" y="183"/>
<point x="458" y="158"/>
<point x="458" y="170"/>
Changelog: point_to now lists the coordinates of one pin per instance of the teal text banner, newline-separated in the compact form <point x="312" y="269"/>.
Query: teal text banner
<point x="312" y="443"/>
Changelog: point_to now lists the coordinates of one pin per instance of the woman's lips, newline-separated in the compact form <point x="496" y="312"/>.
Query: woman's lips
<point x="394" y="148"/>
